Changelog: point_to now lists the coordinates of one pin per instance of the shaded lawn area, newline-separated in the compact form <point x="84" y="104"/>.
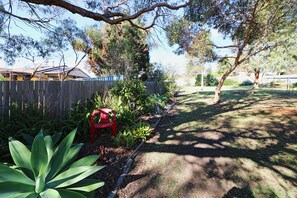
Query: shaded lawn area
<point x="244" y="147"/>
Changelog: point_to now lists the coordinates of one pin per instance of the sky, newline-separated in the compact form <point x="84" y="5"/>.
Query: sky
<point x="160" y="53"/>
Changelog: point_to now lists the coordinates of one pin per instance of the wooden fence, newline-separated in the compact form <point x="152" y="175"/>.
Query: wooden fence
<point x="53" y="97"/>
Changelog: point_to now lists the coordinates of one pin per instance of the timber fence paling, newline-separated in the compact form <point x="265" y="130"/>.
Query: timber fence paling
<point x="53" y="98"/>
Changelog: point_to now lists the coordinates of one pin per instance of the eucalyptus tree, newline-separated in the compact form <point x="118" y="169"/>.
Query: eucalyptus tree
<point x="44" y="15"/>
<point x="280" y="59"/>
<point x="250" y="24"/>
<point x="118" y="49"/>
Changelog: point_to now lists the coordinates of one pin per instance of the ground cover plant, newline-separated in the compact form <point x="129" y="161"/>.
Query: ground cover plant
<point x="243" y="147"/>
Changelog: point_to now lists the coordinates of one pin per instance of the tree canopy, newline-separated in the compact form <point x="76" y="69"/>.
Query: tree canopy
<point x="118" y="49"/>
<point x="253" y="26"/>
<point x="48" y="17"/>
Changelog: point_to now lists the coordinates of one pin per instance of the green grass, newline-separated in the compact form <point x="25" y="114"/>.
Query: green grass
<point x="248" y="143"/>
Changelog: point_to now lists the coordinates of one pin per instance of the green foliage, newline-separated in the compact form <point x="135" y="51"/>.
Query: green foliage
<point x="159" y="101"/>
<point x="125" y="115"/>
<point x="78" y="117"/>
<point x="132" y="133"/>
<point x="125" y="139"/>
<point x="246" y="83"/>
<point x="164" y="81"/>
<point x="118" y="49"/>
<point x="198" y="80"/>
<point x="48" y="171"/>
<point x="133" y="93"/>
<point x="210" y="80"/>
<point x="28" y="120"/>
<point x="230" y="82"/>
<point x="294" y="85"/>
<point x="224" y="65"/>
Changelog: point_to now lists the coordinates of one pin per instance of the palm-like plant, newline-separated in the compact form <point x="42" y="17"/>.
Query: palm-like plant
<point x="46" y="171"/>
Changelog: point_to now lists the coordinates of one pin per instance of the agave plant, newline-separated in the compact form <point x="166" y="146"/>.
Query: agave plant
<point x="49" y="172"/>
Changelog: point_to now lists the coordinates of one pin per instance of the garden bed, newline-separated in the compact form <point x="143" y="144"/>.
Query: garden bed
<point x="112" y="157"/>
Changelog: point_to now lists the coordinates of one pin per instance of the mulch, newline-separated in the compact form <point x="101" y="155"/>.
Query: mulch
<point x="112" y="157"/>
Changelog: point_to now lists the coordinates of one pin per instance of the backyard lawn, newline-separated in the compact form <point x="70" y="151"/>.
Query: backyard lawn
<point x="244" y="147"/>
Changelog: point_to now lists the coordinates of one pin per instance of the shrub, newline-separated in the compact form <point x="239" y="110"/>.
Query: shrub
<point x="28" y="120"/>
<point x="125" y="116"/>
<point x="210" y="80"/>
<point x="246" y="83"/>
<point x="158" y="102"/>
<point x="46" y="171"/>
<point x="78" y="117"/>
<point x="132" y="93"/>
<point x="165" y="83"/>
<point x="198" y="80"/>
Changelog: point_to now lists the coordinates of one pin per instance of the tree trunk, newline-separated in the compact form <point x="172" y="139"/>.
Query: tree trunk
<point x="217" y="98"/>
<point x="256" y="80"/>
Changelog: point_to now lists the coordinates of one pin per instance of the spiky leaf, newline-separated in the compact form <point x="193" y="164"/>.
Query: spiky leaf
<point x="86" y="185"/>
<point x="86" y="161"/>
<point x="59" y="155"/>
<point x="12" y="175"/>
<point x="39" y="158"/>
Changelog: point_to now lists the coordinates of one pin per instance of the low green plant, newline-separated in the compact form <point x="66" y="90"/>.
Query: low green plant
<point x="125" y="115"/>
<point x="141" y="130"/>
<point x="23" y="120"/>
<point x="78" y="117"/>
<point x="125" y="139"/>
<point x="48" y="171"/>
<point x="131" y="134"/>
<point x="246" y="83"/>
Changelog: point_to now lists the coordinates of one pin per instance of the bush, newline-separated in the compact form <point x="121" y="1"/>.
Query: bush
<point x="210" y="80"/>
<point x="125" y="116"/>
<point x="246" y="83"/>
<point x="165" y="83"/>
<point x="46" y="171"/>
<point x="132" y="93"/>
<point x="198" y="80"/>
<point x="78" y="117"/>
<point x="28" y="120"/>
<point x="158" y="102"/>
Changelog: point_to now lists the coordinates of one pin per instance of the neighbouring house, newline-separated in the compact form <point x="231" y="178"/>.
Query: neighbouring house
<point x="16" y="74"/>
<point x="43" y="73"/>
<point x="59" y="73"/>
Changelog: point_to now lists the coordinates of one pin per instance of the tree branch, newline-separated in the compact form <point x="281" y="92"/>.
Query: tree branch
<point x="108" y="17"/>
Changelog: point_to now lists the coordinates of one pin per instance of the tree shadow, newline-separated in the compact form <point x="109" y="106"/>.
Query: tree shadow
<point x="236" y="192"/>
<point x="221" y="140"/>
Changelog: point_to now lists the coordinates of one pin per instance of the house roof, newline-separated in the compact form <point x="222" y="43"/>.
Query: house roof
<point x="23" y="71"/>
<point x="51" y="71"/>
<point x="76" y="72"/>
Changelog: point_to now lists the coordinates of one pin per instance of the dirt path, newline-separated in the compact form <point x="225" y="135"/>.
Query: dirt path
<point x="245" y="147"/>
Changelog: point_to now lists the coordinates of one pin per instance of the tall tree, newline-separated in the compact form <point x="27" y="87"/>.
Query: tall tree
<point x="44" y="15"/>
<point x="280" y="59"/>
<point x="120" y="49"/>
<point x="251" y="24"/>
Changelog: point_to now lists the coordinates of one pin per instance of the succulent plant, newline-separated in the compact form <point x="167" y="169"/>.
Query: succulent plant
<point x="49" y="172"/>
